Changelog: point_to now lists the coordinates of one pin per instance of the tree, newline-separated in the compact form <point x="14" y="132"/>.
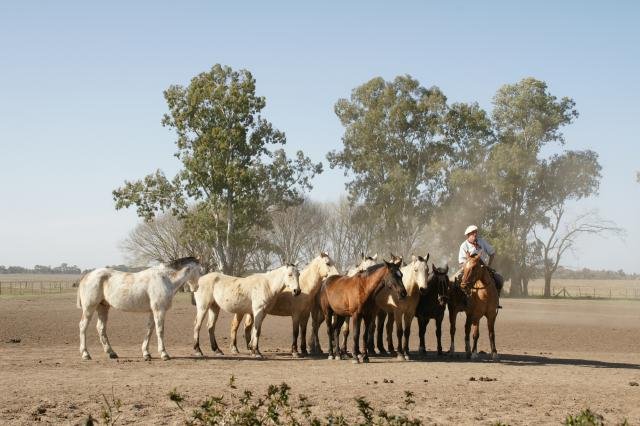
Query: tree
<point x="230" y="174"/>
<point x="392" y="141"/>
<point x="526" y="117"/>
<point x="559" y="241"/>
<point x="165" y="238"/>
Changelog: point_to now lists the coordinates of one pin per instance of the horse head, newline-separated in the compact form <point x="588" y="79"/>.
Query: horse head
<point x="191" y="268"/>
<point x="365" y="263"/>
<point x="420" y="269"/>
<point x="393" y="279"/>
<point x="291" y="278"/>
<point x="471" y="270"/>
<point x="326" y="265"/>
<point x="440" y="280"/>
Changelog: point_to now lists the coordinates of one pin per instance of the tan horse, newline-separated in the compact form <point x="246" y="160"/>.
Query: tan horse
<point x="253" y="295"/>
<point x="353" y="297"/>
<point x="298" y="308"/>
<point x="482" y="302"/>
<point x="402" y="311"/>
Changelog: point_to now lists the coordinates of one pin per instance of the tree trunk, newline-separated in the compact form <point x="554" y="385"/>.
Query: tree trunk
<point x="516" y="284"/>
<point x="547" y="284"/>
<point x="525" y="286"/>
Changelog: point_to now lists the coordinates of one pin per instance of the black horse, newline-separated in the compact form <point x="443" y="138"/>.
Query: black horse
<point x="432" y="305"/>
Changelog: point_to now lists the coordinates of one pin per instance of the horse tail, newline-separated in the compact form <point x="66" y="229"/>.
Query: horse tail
<point x="78" y="302"/>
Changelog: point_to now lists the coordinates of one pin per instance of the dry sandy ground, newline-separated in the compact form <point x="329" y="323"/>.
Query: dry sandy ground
<point x="557" y="358"/>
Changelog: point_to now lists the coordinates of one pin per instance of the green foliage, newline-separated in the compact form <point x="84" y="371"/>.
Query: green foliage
<point x="230" y="173"/>
<point x="585" y="418"/>
<point x="110" y="409"/>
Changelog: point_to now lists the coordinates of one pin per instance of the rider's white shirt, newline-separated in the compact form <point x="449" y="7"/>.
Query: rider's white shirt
<point x="485" y="250"/>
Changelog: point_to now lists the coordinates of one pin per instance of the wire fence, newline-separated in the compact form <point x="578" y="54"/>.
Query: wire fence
<point x="35" y="287"/>
<point x="587" y="292"/>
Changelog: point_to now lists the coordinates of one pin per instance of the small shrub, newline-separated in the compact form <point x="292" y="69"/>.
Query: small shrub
<point x="585" y="418"/>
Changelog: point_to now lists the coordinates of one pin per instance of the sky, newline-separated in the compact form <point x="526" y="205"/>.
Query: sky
<point x="81" y="96"/>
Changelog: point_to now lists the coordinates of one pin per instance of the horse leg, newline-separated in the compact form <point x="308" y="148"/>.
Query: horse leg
<point x="452" y="330"/>
<point x="467" y="330"/>
<point x="214" y="311"/>
<point x="476" y="334"/>
<point x="380" y="332"/>
<point x="329" y="320"/>
<point x="258" y="317"/>
<point x="158" y="317"/>
<point x="101" y="325"/>
<point x="200" y="313"/>
<point x="368" y="327"/>
<point x="398" y="320"/>
<point x="235" y="323"/>
<point x="248" y="325"/>
<point x="304" y="320"/>
<point x="314" y="341"/>
<point x="295" y="324"/>
<point x="356" y="319"/>
<point x="342" y="352"/>
<point x="406" y="328"/>
<point x="345" y="334"/>
<point x="370" y="336"/>
<point x="87" y="313"/>
<point x="147" y="336"/>
<point x="390" y="347"/>
<point x="422" y="329"/>
<point x="439" y="332"/>
<point x="491" y="321"/>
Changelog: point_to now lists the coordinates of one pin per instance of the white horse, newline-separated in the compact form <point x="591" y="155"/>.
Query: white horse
<point x="151" y="290"/>
<point x="414" y="278"/>
<point x="253" y="295"/>
<point x="316" y="313"/>
<point x="298" y="308"/>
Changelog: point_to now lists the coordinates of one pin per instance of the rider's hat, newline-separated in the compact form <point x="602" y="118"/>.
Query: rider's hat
<point x="470" y="229"/>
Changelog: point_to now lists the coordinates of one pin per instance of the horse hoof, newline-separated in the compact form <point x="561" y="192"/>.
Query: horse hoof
<point x="86" y="357"/>
<point x="198" y="354"/>
<point x="365" y="359"/>
<point x="295" y="355"/>
<point x="304" y="353"/>
<point x="218" y="352"/>
<point x="330" y="357"/>
<point x="258" y="356"/>
<point x="407" y="357"/>
<point x="235" y="351"/>
<point x="495" y="357"/>
<point x="147" y="357"/>
<point x="113" y="355"/>
<point x="382" y="352"/>
<point x="355" y="360"/>
<point x="165" y="357"/>
<point x="474" y="355"/>
<point x="400" y="357"/>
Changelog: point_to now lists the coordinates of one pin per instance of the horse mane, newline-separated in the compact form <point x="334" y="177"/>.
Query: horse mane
<point x="371" y="269"/>
<point x="178" y="264"/>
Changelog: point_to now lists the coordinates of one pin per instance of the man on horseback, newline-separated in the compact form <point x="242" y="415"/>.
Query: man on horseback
<point x="479" y="246"/>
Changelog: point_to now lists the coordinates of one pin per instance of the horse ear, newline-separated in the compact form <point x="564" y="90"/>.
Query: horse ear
<point x="375" y="256"/>
<point x="433" y="267"/>
<point x="446" y="269"/>
<point x="362" y="255"/>
<point x="413" y="257"/>
<point x="427" y="258"/>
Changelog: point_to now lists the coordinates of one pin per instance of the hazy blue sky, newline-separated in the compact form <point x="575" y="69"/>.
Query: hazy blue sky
<point x="81" y="95"/>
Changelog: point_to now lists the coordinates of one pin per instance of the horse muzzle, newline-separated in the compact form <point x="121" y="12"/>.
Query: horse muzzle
<point x="296" y="292"/>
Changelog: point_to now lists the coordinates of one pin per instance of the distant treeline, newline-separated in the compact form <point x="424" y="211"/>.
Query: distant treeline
<point x="589" y="274"/>
<point x="64" y="268"/>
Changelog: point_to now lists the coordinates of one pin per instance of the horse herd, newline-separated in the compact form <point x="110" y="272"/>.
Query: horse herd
<point x="359" y="302"/>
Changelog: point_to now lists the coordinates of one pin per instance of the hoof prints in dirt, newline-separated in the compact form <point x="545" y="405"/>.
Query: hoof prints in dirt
<point x="483" y="379"/>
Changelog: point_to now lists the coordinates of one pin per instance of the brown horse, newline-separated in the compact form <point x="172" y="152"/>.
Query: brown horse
<point x="482" y="302"/>
<point x="354" y="297"/>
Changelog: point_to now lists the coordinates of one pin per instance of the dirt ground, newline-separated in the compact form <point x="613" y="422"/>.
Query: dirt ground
<point x="557" y="358"/>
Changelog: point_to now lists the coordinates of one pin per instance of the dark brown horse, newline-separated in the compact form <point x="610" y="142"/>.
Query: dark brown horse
<point x="354" y="297"/>
<point x="432" y="304"/>
<point x="482" y="303"/>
